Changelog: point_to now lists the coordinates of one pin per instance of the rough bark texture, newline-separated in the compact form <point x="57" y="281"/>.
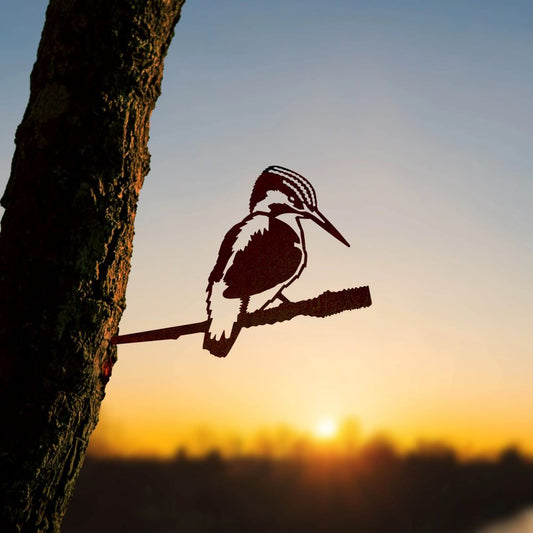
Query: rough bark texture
<point x="66" y="240"/>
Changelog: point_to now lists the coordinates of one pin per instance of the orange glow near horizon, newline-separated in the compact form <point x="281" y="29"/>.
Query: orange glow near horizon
<point x="251" y="401"/>
<point x="162" y="439"/>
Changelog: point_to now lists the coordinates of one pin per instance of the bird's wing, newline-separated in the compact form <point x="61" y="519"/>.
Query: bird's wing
<point x="258" y="254"/>
<point x="236" y="239"/>
<point x="264" y="253"/>
<point x="223" y="312"/>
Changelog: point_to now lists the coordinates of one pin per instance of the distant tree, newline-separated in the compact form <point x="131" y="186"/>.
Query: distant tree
<point x="434" y="451"/>
<point x="511" y="456"/>
<point x="66" y="240"/>
<point x="379" y="451"/>
<point x="349" y="435"/>
<point x="265" y="444"/>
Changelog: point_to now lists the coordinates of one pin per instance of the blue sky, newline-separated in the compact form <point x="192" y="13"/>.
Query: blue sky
<point x="414" y="122"/>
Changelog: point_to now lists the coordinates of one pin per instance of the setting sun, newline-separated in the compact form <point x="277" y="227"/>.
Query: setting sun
<point x="326" y="428"/>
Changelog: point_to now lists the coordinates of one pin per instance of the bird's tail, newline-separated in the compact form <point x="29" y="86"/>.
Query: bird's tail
<point x="223" y="314"/>
<point x="220" y="346"/>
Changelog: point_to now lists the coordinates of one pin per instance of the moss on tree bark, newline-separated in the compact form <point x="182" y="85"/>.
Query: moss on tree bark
<point x="66" y="240"/>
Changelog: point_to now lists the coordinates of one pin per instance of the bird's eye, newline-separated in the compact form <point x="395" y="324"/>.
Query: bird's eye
<point x="298" y="204"/>
<point x="291" y="199"/>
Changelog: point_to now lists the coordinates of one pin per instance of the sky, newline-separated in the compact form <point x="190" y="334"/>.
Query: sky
<point x="413" y="121"/>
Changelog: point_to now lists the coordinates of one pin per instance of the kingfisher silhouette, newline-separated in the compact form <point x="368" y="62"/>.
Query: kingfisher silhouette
<point x="261" y="255"/>
<point x="258" y="258"/>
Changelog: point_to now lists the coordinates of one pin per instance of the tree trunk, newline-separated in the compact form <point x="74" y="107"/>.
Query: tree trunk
<point x="66" y="240"/>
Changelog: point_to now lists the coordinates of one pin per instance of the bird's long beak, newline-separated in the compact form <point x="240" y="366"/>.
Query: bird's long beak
<point x="323" y="222"/>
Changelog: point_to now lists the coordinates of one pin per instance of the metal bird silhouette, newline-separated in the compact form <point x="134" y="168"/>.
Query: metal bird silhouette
<point x="261" y="255"/>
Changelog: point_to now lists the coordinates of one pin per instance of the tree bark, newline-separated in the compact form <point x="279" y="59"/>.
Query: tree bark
<point x="65" y="246"/>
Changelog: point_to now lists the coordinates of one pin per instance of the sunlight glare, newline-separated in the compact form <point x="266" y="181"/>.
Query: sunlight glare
<point x="326" y="428"/>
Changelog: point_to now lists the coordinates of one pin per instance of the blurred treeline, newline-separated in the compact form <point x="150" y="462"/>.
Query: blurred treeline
<point x="377" y="489"/>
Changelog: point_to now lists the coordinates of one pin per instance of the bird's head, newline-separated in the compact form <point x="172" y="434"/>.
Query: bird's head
<point x="279" y="190"/>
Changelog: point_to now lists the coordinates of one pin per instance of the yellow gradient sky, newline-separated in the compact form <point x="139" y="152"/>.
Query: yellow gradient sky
<point x="415" y="126"/>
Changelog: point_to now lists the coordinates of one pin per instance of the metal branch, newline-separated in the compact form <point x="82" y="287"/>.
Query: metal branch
<point x="328" y="303"/>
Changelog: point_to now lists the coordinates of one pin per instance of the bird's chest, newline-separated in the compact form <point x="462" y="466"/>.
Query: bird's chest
<point x="280" y="246"/>
<point x="285" y="240"/>
<point x="287" y="256"/>
<point x="287" y="227"/>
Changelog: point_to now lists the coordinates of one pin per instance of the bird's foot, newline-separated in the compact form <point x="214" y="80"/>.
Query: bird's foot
<point x="278" y="300"/>
<point x="283" y="299"/>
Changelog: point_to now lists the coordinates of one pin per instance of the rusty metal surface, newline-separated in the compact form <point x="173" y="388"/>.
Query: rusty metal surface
<point x="327" y="304"/>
